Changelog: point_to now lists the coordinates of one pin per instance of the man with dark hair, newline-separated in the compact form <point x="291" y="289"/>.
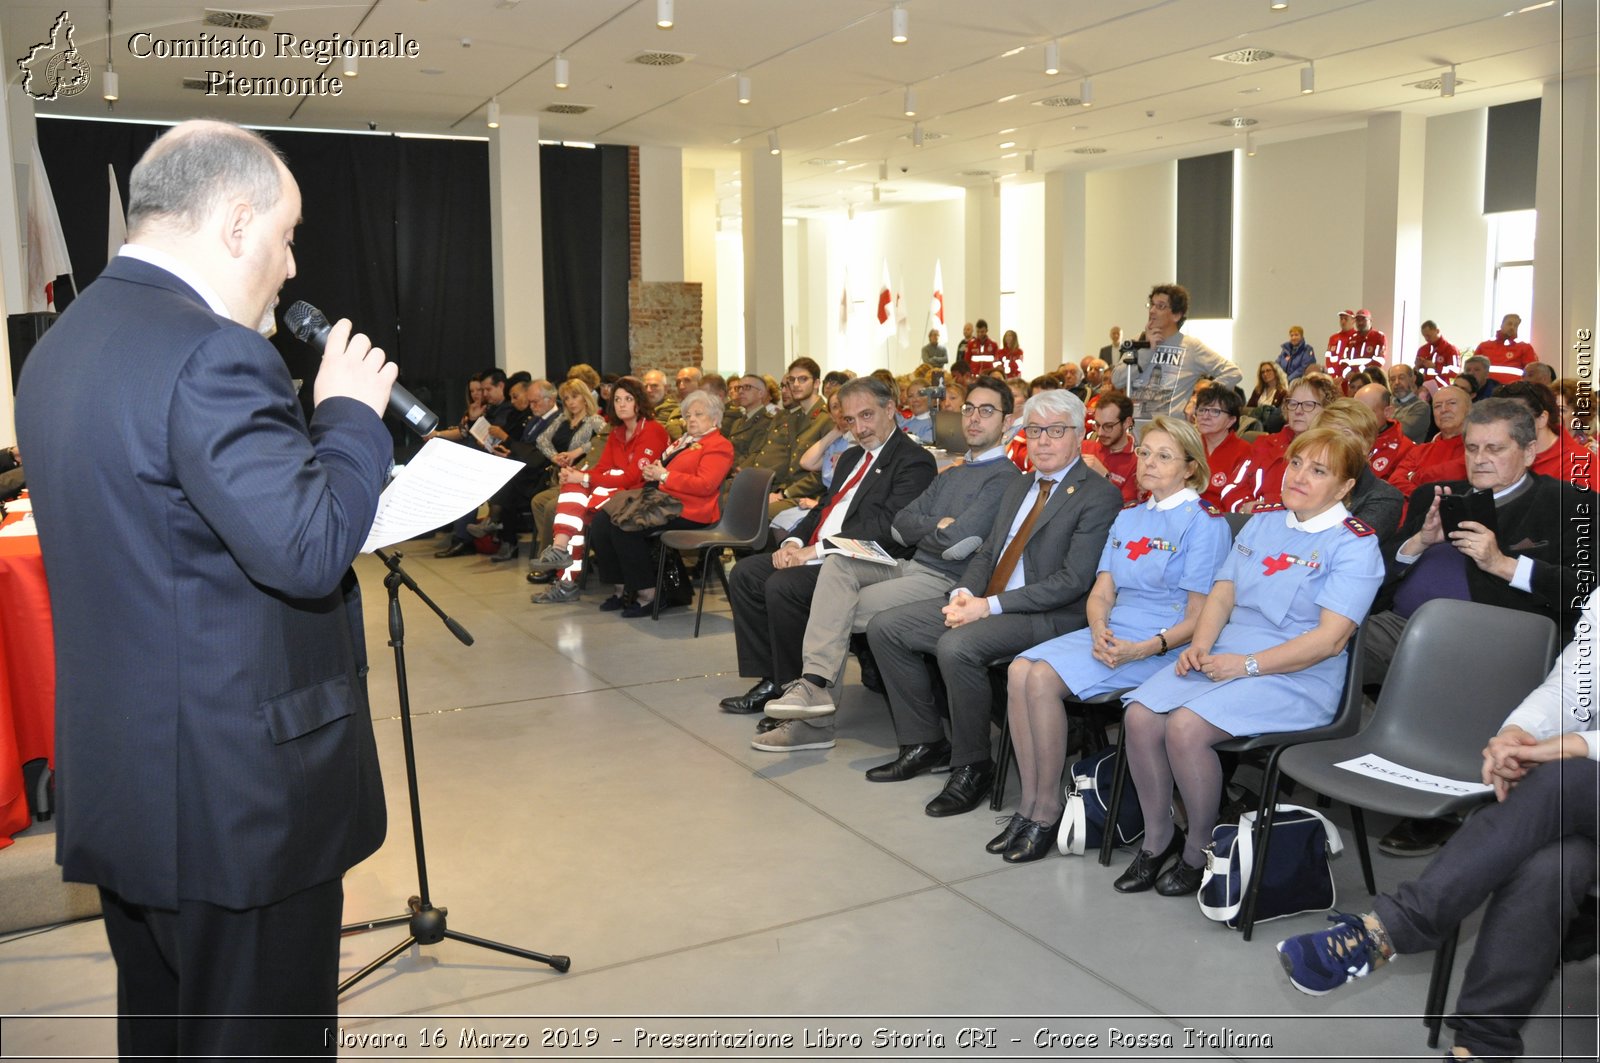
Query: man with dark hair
<point x="1438" y="361"/>
<point x="983" y="353"/>
<point x="1025" y="584"/>
<point x="688" y="380"/>
<point x="1333" y="359"/>
<point x="874" y="480"/>
<point x="1110" y="451"/>
<point x="1167" y="372"/>
<point x="1508" y="356"/>
<point x="1111" y="353"/>
<point x="933" y="352"/>
<point x="944" y="523"/>
<point x="219" y="769"/>
<point x="1364" y="350"/>
<point x="961" y="373"/>
<point x="747" y="420"/>
<point x="794" y="428"/>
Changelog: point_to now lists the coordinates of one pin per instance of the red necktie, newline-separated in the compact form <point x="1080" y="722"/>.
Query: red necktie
<point x="866" y="459"/>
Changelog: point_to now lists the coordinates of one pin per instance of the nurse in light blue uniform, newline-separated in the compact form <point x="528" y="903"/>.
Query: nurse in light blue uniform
<point x="1155" y="570"/>
<point x="1268" y="653"/>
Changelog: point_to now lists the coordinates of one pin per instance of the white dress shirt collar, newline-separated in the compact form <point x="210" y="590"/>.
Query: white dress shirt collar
<point x="179" y="269"/>
<point x="1174" y="500"/>
<point x="1328" y="518"/>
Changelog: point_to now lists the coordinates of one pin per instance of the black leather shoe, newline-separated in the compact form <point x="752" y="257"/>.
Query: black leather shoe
<point x="912" y="761"/>
<point x="1002" y="841"/>
<point x="1033" y="842"/>
<point x="1146" y="867"/>
<point x="541" y="577"/>
<point x="753" y="700"/>
<point x="969" y="785"/>
<point x="456" y="549"/>
<point x="1180" y="880"/>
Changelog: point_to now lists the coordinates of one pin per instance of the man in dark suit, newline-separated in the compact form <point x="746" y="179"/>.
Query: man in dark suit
<point x="217" y="770"/>
<point x="1026" y="584"/>
<point x="1111" y="352"/>
<point x="1533" y="559"/>
<point x="874" y="480"/>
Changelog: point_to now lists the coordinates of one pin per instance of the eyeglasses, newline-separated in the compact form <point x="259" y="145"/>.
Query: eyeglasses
<point x="1165" y="457"/>
<point x="1105" y="426"/>
<point x="1304" y="407"/>
<point x="1054" y="431"/>
<point x="1210" y="411"/>
<point x="1153" y="305"/>
<point x="749" y="387"/>
<point x="797" y="380"/>
<point x="985" y="411"/>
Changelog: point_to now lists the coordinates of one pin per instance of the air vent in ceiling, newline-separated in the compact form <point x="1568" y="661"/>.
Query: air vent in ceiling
<point x="1245" y="56"/>
<point x="927" y="134"/>
<point x="826" y="162"/>
<point x="659" y="59"/>
<point x="977" y="173"/>
<point x="1088" y="151"/>
<point x="1059" y="101"/>
<point x="197" y="84"/>
<point x="569" y="108"/>
<point x="236" y="20"/>
<point x="1433" y="84"/>
<point x="1237" y="122"/>
<point x="808" y="206"/>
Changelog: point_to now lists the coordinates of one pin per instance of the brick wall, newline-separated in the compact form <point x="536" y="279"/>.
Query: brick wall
<point x="664" y="317"/>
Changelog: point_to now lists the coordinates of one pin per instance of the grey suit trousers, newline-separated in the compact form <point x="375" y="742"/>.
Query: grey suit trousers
<point x="849" y="594"/>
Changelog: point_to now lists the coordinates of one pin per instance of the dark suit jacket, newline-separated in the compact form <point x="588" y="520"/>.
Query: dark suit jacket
<point x="902" y="472"/>
<point x="213" y="735"/>
<point x="1061" y="557"/>
<point x="1550" y="522"/>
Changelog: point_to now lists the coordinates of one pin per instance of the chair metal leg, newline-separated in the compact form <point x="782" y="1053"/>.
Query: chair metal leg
<point x="661" y="578"/>
<point x="1358" y="823"/>
<point x="1108" y="841"/>
<point x="707" y="559"/>
<point x="1002" y="765"/>
<point x="722" y="575"/>
<point x="1444" y="959"/>
<point x="1262" y="838"/>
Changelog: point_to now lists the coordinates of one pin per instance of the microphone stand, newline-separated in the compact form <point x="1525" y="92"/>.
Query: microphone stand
<point x="425" y="923"/>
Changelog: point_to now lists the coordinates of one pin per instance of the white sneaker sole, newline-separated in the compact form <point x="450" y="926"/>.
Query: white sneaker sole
<point x="757" y="743"/>
<point x="790" y="710"/>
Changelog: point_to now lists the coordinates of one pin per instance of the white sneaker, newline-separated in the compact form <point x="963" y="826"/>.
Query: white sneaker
<point x="792" y="735"/>
<point x="801" y="700"/>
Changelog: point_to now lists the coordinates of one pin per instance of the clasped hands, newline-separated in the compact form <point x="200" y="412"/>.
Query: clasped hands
<point x="791" y="555"/>
<point x="654" y="472"/>
<point x="1509" y="755"/>
<point x="1214" y="666"/>
<point x="964" y="608"/>
<point x="1113" y="652"/>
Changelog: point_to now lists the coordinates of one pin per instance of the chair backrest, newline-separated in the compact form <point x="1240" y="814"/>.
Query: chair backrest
<point x="1237" y="521"/>
<point x="1459" y="670"/>
<point x="1346" y="715"/>
<point x="744" y="511"/>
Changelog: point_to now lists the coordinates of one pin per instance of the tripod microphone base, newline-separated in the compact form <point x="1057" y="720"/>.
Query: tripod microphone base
<point x="429" y="926"/>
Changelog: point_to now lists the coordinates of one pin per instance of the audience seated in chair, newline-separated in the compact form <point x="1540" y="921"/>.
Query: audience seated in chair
<point x="1216" y="416"/>
<point x="1267" y="654"/>
<point x="794" y="428"/>
<point x="1259" y="477"/>
<point x="945" y="523"/>
<point x="1028" y="582"/>
<point x="1110" y="451"/>
<point x="1155" y="571"/>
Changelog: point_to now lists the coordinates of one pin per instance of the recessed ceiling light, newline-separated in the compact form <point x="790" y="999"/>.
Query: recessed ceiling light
<point x="1245" y="56"/>
<point x="1006" y="99"/>
<point x="826" y="162"/>
<point x="1015" y="51"/>
<point x="856" y="140"/>
<point x="1011" y="154"/>
<point x="1007" y="144"/>
<point x="1059" y="101"/>
<point x="1003" y="132"/>
<point x="1237" y="122"/>
<point x="1247" y="92"/>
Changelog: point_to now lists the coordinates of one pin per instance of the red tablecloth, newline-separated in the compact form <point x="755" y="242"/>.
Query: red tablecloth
<point x="27" y="674"/>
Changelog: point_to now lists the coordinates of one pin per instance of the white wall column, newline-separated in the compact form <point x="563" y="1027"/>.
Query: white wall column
<point x="1564" y="277"/>
<point x="661" y="214"/>
<point x="1391" y="263"/>
<point x="517" y="244"/>
<point x="1067" y="331"/>
<point x="699" y="228"/>
<point x="983" y="266"/>
<point x="761" y="199"/>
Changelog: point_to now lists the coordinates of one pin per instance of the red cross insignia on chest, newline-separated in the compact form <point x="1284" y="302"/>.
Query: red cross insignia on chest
<point x="1138" y="548"/>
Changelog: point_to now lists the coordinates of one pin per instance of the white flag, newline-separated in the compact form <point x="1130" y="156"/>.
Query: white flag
<point x="116" y="221"/>
<point x="47" y="247"/>
<point x="844" y="307"/>
<point x="936" y="307"/>
<point x="885" y="311"/>
<point x="902" y="326"/>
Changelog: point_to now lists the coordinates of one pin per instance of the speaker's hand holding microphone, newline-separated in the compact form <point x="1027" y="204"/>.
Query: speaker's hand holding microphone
<point x="353" y="368"/>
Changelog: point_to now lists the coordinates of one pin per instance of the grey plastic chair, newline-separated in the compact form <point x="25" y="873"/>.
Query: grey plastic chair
<point x="1458" y="672"/>
<point x="743" y="526"/>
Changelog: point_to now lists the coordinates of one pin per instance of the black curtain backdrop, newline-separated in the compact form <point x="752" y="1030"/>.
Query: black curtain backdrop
<point x="1510" y="176"/>
<point x="395" y="236"/>
<point x="584" y="206"/>
<point x="1205" y="233"/>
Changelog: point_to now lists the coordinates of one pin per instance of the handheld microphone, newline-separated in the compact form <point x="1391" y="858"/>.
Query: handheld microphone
<point x="311" y="326"/>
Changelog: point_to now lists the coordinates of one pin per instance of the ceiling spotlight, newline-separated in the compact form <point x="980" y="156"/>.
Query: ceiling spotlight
<point x="1308" y="79"/>
<point x="1447" y="82"/>
<point x="664" y="14"/>
<point x="1052" y="58"/>
<point x="494" y="113"/>
<point x="563" y="72"/>
<point x="1279" y="5"/>
<point x="1027" y="163"/>
<point x="910" y="102"/>
<point x="772" y="143"/>
<point x="899" y="25"/>
<point x="916" y="135"/>
<point x="1086" y="93"/>
<point x="109" y="90"/>
<point x="350" y="67"/>
<point x="744" y="88"/>
<point x="1249" y="146"/>
<point x="883" y="170"/>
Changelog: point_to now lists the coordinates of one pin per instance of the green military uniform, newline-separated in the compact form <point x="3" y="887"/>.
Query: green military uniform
<point x="669" y="416"/>
<point x="791" y="434"/>
<point x="747" y="433"/>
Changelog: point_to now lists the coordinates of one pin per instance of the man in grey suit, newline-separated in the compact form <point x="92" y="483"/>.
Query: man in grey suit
<point x="217" y="769"/>
<point x="1026" y="584"/>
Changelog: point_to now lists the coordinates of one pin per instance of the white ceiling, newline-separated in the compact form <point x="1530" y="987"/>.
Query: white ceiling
<point x="826" y="77"/>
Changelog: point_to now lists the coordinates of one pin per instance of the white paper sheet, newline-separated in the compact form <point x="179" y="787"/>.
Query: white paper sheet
<point x="19" y="529"/>
<point x="1380" y="768"/>
<point x="441" y="483"/>
<point x="20" y="505"/>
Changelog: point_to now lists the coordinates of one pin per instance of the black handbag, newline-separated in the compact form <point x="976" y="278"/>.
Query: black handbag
<point x="641" y="508"/>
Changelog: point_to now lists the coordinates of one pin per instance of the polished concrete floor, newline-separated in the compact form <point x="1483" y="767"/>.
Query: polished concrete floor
<point x="582" y="795"/>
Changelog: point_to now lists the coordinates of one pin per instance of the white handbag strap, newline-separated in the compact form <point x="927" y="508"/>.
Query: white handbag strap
<point x="1335" y="843"/>
<point x="1074" y="824"/>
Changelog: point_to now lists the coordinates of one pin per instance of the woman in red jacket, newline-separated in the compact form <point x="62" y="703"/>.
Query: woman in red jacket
<point x="691" y="470"/>
<point x="635" y="442"/>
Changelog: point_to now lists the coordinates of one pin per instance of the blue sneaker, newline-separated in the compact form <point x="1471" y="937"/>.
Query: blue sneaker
<point x="1321" y="962"/>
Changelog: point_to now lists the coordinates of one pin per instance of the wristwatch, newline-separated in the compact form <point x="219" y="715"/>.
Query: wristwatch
<point x="1251" y="668"/>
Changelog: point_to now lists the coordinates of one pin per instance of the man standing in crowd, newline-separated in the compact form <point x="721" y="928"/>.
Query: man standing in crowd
<point x="1111" y="352"/>
<point x="1334" y="364"/>
<point x="1167" y="372"/>
<point x="982" y="353"/>
<point x="966" y="340"/>
<point x="1508" y="356"/>
<point x="933" y="352"/>
<point x="1414" y="412"/>
<point x="1027" y="583"/>
<point x="1438" y="361"/>
<point x="1365" y="348"/>
<point x="219" y="773"/>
